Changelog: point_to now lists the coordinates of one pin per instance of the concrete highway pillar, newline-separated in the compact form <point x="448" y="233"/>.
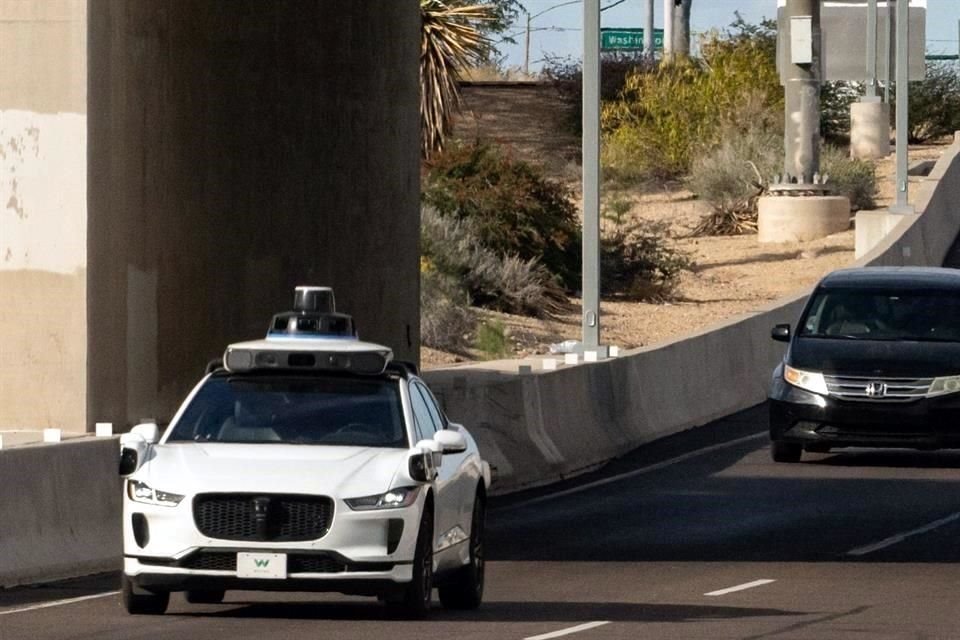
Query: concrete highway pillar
<point x="869" y="130"/>
<point x="802" y="70"/>
<point x="238" y="148"/>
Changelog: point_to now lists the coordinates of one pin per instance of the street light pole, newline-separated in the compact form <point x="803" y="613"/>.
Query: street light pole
<point x="591" y="175"/>
<point x="648" y="30"/>
<point x="903" y="101"/>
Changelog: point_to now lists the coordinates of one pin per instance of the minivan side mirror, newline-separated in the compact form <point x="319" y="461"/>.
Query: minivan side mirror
<point x="781" y="333"/>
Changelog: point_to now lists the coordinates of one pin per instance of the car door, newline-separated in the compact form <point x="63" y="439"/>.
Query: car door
<point x="459" y="485"/>
<point x="447" y="527"/>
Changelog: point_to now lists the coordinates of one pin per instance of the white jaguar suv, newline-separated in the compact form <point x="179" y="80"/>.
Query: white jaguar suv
<point x="307" y="461"/>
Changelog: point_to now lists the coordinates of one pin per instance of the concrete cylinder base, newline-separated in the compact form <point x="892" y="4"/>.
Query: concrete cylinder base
<point x="869" y="130"/>
<point x="801" y="218"/>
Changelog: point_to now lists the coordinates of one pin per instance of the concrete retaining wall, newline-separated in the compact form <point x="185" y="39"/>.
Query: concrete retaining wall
<point x="59" y="511"/>
<point x="545" y="426"/>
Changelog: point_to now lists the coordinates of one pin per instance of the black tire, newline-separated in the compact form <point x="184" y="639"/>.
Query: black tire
<point x="207" y="596"/>
<point x="415" y="601"/>
<point x="141" y="602"/>
<point x="785" y="451"/>
<point x="464" y="589"/>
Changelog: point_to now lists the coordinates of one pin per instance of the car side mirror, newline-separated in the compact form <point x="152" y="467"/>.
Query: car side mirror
<point x="451" y="441"/>
<point x="149" y="431"/>
<point x="781" y="333"/>
<point x="134" y="446"/>
<point x="422" y="463"/>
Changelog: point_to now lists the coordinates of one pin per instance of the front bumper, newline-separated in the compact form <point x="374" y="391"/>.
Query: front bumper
<point x="354" y="579"/>
<point x="807" y="418"/>
<point x="363" y="552"/>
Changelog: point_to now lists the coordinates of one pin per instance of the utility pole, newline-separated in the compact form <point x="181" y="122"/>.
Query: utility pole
<point x="903" y="102"/>
<point x="526" y="49"/>
<point x="591" y="176"/>
<point x="871" y="49"/>
<point x="802" y="92"/>
<point x="667" y="29"/>
<point x="648" y="30"/>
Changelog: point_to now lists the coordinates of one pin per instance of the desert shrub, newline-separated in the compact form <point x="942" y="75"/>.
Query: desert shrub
<point x="637" y="263"/>
<point x="855" y="179"/>
<point x="835" y="100"/>
<point x="511" y="206"/>
<point x="445" y="315"/>
<point x="566" y="76"/>
<point x="663" y="118"/>
<point x="934" y="103"/>
<point x="491" y="340"/>
<point x="731" y="177"/>
<point x="504" y="283"/>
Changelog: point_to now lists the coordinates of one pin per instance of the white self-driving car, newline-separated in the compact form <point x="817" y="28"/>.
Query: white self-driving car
<point x="307" y="461"/>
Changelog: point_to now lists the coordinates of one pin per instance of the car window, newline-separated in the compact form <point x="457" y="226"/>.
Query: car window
<point x="421" y="414"/>
<point x="295" y="410"/>
<point x="438" y="420"/>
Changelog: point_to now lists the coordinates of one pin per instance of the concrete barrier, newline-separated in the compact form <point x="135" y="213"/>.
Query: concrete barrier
<point x="548" y="425"/>
<point x="59" y="510"/>
<point x="60" y="504"/>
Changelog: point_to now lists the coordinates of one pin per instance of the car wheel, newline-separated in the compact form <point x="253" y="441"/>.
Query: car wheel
<point x="785" y="451"/>
<point x="207" y="596"/>
<point x="464" y="590"/>
<point x="141" y="602"/>
<point x="416" y="598"/>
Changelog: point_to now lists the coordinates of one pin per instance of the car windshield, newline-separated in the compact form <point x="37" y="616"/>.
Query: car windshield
<point x="342" y="411"/>
<point x="875" y="315"/>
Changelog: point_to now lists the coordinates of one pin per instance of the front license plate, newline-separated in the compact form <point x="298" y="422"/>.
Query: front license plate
<point x="269" y="566"/>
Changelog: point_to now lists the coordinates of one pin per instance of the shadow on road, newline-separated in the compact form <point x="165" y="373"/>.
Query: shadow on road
<point x="573" y="612"/>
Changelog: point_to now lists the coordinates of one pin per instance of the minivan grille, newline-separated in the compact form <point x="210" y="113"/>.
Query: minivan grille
<point x="877" y="389"/>
<point x="262" y="517"/>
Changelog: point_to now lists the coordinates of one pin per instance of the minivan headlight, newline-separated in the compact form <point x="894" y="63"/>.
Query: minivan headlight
<point x="142" y="492"/>
<point x="809" y="380"/>
<point x="943" y="386"/>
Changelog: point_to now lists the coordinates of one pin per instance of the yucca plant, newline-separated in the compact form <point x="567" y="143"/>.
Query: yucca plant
<point x="451" y="41"/>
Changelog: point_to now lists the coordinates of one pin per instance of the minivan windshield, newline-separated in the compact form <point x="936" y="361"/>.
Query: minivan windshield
<point x="330" y="410"/>
<point x="883" y="315"/>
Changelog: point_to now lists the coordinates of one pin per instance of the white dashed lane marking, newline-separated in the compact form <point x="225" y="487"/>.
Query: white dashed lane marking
<point x="57" y="603"/>
<point x="739" y="587"/>
<point x="568" y="631"/>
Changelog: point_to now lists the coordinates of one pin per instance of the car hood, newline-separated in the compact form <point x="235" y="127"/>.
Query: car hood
<point x="188" y="468"/>
<point x="892" y="359"/>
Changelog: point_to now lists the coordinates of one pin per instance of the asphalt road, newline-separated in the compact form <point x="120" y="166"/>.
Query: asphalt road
<point x="696" y="536"/>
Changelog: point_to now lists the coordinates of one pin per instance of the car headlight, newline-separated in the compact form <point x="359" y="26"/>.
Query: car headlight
<point x="943" y="386"/>
<point x="393" y="499"/>
<point x="809" y="380"/>
<point x="142" y="492"/>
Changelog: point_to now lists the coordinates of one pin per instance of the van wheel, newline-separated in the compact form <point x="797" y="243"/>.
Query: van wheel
<point x="140" y="601"/>
<point x="785" y="451"/>
<point x="464" y="590"/>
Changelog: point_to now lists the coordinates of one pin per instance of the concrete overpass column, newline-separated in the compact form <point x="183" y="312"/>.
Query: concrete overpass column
<point x="238" y="148"/>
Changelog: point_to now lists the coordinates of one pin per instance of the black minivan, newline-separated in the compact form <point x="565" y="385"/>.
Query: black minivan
<point x="874" y="362"/>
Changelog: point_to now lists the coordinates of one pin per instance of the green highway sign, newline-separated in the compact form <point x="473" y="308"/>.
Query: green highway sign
<point x="628" y="39"/>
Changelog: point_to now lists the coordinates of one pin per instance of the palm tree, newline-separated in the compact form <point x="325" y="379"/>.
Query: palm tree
<point x="450" y="42"/>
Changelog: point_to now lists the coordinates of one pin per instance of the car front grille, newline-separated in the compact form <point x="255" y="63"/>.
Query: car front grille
<point x="262" y="517"/>
<point x="889" y="390"/>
